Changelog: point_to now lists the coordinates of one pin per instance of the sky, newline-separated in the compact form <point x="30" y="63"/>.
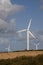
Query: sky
<point x="14" y="16"/>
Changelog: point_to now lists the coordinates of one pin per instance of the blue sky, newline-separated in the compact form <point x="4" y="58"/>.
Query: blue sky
<point x="32" y="9"/>
<point x="14" y="16"/>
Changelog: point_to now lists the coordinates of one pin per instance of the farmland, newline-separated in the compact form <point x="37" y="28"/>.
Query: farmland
<point x="10" y="55"/>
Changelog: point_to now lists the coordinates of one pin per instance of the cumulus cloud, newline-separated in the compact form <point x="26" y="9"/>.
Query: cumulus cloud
<point x="7" y="26"/>
<point x="3" y="24"/>
<point x="7" y="8"/>
<point x="11" y="26"/>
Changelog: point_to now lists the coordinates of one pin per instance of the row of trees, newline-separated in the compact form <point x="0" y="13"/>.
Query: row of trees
<point x="23" y="60"/>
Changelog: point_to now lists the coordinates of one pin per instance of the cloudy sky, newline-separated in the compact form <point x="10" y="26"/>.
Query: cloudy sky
<point x="14" y="16"/>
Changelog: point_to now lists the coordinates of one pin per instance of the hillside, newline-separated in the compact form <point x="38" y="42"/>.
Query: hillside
<point x="23" y="60"/>
<point x="19" y="53"/>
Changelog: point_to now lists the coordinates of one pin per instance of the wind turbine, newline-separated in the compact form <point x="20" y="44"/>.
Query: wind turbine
<point x="36" y="42"/>
<point x="28" y="32"/>
<point x="36" y="46"/>
<point x="8" y="48"/>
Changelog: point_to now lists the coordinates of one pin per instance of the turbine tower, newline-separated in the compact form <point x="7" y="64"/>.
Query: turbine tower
<point x="28" y="32"/>
<point x="8" y="48"/>
<point x="36" y="46"/>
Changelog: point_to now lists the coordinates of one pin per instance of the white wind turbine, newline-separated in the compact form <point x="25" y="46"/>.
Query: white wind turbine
<point x="28" y="32"/>
<point x="36" y="46"/>
<point x="36" y="43"/>
<point x="8" y="48"/>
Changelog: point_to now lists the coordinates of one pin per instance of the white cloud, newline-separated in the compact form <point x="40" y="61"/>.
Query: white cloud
<point x="7" y="26"/>
<point x="7" y="8"/>
<point x="11" y="25"/>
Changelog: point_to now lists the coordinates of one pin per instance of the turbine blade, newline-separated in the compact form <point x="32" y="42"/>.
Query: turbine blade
<point x="21" y="31"/>
<point x="31" y="34"/>
<point x="29" y="23"/>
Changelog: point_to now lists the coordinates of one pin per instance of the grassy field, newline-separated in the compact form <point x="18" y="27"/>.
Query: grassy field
<point x="23" y="60"/>
<point x="10" y="55"/>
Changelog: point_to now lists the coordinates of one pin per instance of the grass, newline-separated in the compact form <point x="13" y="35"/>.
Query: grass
<point x="23" y="60"/>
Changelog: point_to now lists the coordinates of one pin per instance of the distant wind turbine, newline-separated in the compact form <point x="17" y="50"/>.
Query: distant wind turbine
<point x="8" y="48"/>
<point x="36" y="43"/>
<point x="36" y="46"/>
<point x="28" y="32"/>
